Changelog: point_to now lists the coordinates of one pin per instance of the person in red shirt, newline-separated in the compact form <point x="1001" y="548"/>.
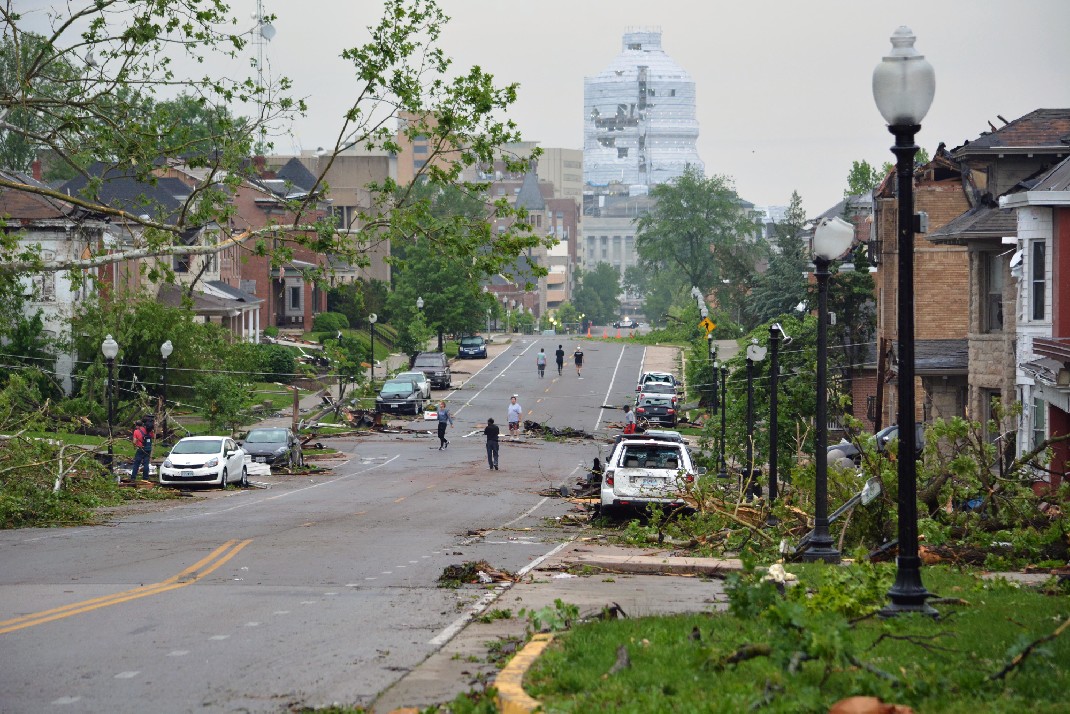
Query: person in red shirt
<point x="142" y="439"/>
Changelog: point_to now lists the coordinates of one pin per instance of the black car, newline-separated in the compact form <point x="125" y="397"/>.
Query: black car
<point x="436" y="367"/>
<point x="400" y="396"/>
<point x="657" y="410"/>
<point x="472" y="348"/>
<point x="277" y="446"/>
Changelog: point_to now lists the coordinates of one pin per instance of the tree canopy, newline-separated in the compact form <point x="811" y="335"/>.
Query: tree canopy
<point x="597" y="293"/>
<point x="97" y="87"/>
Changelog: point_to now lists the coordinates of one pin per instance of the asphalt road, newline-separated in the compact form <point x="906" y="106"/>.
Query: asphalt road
<point x="315" y="590"/>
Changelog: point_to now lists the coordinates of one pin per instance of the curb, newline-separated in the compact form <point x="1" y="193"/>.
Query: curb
<point x="512" y="699"/>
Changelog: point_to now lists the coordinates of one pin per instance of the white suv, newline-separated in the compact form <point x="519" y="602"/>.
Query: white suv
<point x="641" y="471"/>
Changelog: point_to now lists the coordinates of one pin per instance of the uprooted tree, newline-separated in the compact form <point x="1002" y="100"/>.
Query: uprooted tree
<point x="96" y="88"/>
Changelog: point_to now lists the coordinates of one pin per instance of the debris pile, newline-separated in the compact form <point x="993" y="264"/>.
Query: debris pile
<point x="567" y="432"/>
<point x="473" y="572"/>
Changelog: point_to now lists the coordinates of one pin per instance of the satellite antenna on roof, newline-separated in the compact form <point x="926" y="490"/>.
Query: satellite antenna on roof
<point x="263" y="32"/>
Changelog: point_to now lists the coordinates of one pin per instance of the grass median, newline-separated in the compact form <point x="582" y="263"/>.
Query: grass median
<point x="820" y="642"/>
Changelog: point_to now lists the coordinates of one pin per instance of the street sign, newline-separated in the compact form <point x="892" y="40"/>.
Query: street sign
<point x="707" y="325"/>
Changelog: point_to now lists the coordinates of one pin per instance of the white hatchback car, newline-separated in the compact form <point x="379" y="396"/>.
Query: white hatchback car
<point x="641" y="471"/>
<point x="211" y="460"/>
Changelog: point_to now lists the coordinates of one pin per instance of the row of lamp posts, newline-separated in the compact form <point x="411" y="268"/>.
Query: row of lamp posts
<point x="903" y="87"/>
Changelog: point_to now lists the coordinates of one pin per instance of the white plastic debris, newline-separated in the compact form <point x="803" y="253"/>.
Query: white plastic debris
<point x="484" y="578"/>
<point x="563" y="576"/>
<point x="777" y="574"/>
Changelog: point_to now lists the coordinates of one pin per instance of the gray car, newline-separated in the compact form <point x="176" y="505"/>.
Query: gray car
<point x="276" y="446"/>
<point x="400" y="396"/>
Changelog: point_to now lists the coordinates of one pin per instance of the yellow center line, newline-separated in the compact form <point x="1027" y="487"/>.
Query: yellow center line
<point x="190" y="575"/>
<point x="399" y="500"/>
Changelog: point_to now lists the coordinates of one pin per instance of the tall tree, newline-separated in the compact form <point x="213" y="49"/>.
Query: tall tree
<point x="597" y="293"/>
<point x="90" y="87"/>
<point x="862" y="178"/>
<point x="699" y="229"/>
<point x="783" y="285"/>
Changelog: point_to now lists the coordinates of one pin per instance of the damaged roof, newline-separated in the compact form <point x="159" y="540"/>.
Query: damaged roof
<point x="939" y="357"/>
<point x="983" y="221"/>
<point x="1039" y="131"/>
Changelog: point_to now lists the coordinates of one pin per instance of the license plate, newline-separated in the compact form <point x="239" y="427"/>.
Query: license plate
<point x="187" y="474"/>
<point x="261" y="459"/>
<point x="653" y="482"/>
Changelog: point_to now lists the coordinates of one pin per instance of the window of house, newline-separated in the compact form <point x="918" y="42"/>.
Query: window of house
<point x="622" y="153"/>
<point x="1038" y="284"/>
<point x="992" y="313"/>
<point x="45" y="287"/>
<point x="295" y="297"/>
<point x="1040" y="421"/>
<point x="419" y="148"/>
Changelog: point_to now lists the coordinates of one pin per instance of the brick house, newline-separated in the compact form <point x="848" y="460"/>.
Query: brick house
<point x="996" y="164"/>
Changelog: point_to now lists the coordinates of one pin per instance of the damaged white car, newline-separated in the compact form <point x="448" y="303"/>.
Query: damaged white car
<point x="642" y="471"/>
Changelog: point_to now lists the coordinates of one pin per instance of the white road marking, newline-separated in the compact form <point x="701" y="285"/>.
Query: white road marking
<point x="65" y="700"/>
<point x="308" y="602"/>
<point x="611" y="380"/>
<point x="219" y="638"/>
<point x="371" y="577"/>
<point x="127" y="675"/>
<point x="481" y="604"/>
<point x="528" y="512"/>
<point x="178" y="653"/>
<point x="281" y="612"/>
<point x="252" y="624"/>
<point x="352" y="585"/>
<point x="416" y="561"/>
<point x="487" y="385"/>
<point x="329" y="594"/>
<point x="282" y="495"/>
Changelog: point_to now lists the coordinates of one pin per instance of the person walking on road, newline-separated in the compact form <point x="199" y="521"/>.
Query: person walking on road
<point x="629" y="419"/>
<point x="515" y="412"/>
<point x="577" y="357"/>
<point x="540" y="361"/>
<point x="444" y="418"/>
<point x="560" y="356"/>
<point x="491" y="432"/>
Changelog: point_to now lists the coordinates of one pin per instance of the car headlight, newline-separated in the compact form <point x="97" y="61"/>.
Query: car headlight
<point x="211" y="462"/>
<point x="280" y="450"/>
<point x="167" y="463"/>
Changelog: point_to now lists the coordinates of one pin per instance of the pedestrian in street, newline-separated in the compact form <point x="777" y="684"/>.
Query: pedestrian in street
<point x="142" y="450"/>
<point x="560" y="356"/>
<point x="491" y="432"/>
<point x="515" y="412"/>
<point x="540" y="361"/>
<point x="629" y="419"/>
<point x="577" y="357"/>
<point x="444" y="418"/>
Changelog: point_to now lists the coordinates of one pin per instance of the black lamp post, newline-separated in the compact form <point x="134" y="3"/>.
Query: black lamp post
<point x="165" y="351"/>
<point x="903" y="87"/>
<point x="755" y="353"/>
<point x="110" y="348"/>
<point x="722" y="471"/>
<point x="372" y="318"/>
<point x="775" y="333"/>
<point x="713" y="365"/>
<point x="832" y="238"/>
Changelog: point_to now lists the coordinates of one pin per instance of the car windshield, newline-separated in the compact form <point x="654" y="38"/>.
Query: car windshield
<point x="471" y="342"/>
<point x="266" y="436"/>
<point x="658" y="388"/>
<point x="429" y="361"/>
<point x="656" y="402"/>
<point x="662" y="378"/>
<point x="650" y="456"/>
<point x="199" y="446"/>
<point x="412" y="376"/>
<point x="397" y="388"/>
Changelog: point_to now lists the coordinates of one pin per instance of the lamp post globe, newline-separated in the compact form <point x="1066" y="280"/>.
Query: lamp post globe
<point x="903" y="88"/>
<point x="165" y="351"/>
<point x="419" y="303"/>
<point x="755" y="354"/>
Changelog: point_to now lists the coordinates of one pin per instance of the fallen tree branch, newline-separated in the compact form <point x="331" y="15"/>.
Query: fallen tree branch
<point x="1024" y="654"/>
<point x="743" y="654"/>
<point x="922" y="641"/>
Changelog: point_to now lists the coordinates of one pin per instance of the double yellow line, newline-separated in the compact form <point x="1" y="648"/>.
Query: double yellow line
<point x="190" y="575"/>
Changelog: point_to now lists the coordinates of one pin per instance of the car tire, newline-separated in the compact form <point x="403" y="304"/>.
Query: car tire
<point x="223" y="479"/>
<point x="244" y="483"/>
<point x="610" y="512"/>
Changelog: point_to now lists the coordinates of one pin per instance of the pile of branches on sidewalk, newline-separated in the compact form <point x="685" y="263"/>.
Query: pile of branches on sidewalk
<point x="563" y="432"/>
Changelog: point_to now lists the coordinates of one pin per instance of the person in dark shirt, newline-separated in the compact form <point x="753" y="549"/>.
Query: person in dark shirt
<point x="491" y="432"/>
<point x="577" y="357"/>
<point x="560" y="355"/>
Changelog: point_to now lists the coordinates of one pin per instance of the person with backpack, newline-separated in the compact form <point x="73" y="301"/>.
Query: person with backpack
<point x="142" y="439"/>
<point x="540" y="362"/>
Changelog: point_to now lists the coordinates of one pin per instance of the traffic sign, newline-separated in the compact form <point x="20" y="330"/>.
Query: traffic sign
<point x="707" y="325"/>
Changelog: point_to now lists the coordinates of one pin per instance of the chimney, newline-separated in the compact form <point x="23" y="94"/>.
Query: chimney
<point x="35" y="167"/>
<point x="259" y="162"/>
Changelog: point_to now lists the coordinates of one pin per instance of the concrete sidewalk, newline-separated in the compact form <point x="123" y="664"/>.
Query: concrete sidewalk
<point x="634" y="580"/>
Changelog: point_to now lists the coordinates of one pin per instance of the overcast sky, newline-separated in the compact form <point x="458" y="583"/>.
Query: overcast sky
<point x="784" y="97"/>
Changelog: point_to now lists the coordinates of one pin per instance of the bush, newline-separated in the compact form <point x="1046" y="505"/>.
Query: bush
<point x="277" y="364"/>
<point x="330" y="322"/>
<point x="271" y="331"/>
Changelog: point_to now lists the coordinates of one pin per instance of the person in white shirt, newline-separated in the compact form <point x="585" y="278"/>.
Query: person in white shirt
<point x="515" y="412"/>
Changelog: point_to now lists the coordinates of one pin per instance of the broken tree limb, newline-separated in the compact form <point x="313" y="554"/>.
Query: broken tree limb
<point x="1024" y="654"/>
<point x="745" y="653"/>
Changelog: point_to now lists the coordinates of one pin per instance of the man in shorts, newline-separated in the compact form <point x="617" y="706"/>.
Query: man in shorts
<point x="515" y="412"/>
<point x="577" y="357"/>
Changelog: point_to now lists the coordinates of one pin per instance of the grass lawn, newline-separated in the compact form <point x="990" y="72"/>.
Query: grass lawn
<point x="682" y="663"/>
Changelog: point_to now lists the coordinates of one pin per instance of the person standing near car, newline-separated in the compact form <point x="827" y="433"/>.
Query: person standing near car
<point x="629" y="419"/>
<point x="577" y="357"/>
<point x="560" y="356"/>
<point x="444" y="418"/>
<point x="142" y="450"/>
<point x="540" y="361"/>
<point x="514" y="414"/>
<point x="491" y="432"/>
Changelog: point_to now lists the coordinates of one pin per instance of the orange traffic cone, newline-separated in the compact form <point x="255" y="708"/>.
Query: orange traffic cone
<point x="605" y="332"/>
<point x="588" y="330"/>
<point x="618" y="333"/>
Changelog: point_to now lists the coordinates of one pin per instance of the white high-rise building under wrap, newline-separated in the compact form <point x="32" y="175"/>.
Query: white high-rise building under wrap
<point x="639" y="118"/>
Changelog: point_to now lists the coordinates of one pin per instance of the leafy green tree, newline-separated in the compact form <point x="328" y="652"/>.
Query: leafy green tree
<point x="349" y="359"/>
<point x="91" y="88"/>
<point x="698" y="229"/>
<point x="348" y="299"/>
<point x="783" y="285"/>
<point x="567" y="313"/>
<point x="862" y="178"/>
<point x="597" y="293"/>
<point x="222" y="400"/>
